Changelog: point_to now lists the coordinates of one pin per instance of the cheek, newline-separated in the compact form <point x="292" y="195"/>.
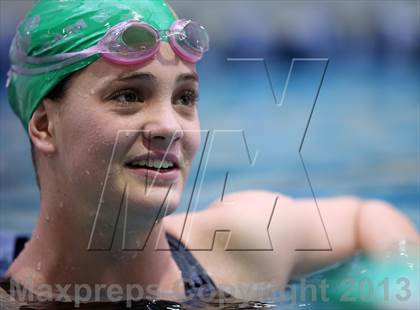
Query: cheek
<point x="192" y="139"/>
<point x="194" y="143"/>
<point x="86" y="140"/>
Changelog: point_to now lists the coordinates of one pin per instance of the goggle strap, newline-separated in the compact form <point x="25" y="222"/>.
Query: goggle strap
<point x="55" y="58"/>
<point x="29" y="71"/>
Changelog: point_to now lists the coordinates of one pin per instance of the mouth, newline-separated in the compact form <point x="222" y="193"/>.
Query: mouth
<point x="158" y="167"/>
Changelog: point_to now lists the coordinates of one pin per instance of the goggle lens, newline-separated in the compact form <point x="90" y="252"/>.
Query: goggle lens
<point x="194" y="37"/>
<point x="138" y="38"/>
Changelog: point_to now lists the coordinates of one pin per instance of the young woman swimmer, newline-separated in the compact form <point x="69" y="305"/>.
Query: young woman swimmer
<point x="107" y="91"/>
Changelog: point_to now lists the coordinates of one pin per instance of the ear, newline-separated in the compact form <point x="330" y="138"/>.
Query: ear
<point x="41" y="130"/>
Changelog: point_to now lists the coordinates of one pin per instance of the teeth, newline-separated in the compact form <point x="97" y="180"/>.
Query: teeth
<point x="153" y="163"/>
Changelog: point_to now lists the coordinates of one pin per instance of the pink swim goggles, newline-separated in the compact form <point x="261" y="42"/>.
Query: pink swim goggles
<point x="130" y="42"/>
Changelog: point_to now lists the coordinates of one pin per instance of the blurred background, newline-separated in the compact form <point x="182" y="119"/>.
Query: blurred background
<point x="363" y="137"/>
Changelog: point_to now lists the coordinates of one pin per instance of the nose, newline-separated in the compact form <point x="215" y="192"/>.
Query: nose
<point x="163" y="130"/>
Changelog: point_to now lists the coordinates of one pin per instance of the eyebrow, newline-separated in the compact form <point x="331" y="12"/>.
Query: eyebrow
<point x="184" y="77"/>
<point x="187" y="77"/>
<point x="124" y="77"/>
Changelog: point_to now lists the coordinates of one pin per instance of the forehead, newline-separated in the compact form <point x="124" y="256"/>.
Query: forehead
<point x="166" y="66"/>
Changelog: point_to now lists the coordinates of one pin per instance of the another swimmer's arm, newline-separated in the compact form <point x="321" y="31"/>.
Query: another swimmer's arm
<point x="351" y="225"/>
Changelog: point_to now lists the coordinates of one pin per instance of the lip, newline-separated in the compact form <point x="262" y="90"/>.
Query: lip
<point x="156" y="177"/>
<point x="156" y="156"/>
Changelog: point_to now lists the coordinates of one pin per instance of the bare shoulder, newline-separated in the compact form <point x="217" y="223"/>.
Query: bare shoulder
<point x="238" y="209"/>
<point x="250" y="198"/>
<point x="235" y="233"/>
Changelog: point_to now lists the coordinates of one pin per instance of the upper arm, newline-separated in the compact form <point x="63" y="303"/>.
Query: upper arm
<point x="301" y="235"/>
<point x="305" y="235"/>
<point x="348" y="224"/>
<point x="381" y="227"/>
<point x="329" y="231"/>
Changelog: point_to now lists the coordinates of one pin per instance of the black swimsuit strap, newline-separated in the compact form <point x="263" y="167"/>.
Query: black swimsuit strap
<point x="195" y="277"/>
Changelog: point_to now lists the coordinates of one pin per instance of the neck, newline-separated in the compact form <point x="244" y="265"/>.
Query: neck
<point x="58" y="253"/>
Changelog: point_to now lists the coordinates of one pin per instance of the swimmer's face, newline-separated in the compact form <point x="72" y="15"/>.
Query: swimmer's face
<point x="116" y="121"/>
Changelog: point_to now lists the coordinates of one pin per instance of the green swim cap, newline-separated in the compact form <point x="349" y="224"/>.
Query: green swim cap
<point x="52" y="27"/>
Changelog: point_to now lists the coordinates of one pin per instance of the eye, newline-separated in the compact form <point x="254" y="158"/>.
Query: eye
<point x="187" y="98"/>
<point x="126" y="96"/>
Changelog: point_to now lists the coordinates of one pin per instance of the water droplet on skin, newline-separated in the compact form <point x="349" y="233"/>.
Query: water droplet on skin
<point x="127" y="134"/>
<point x="87" y="172"/>
<point x="37" y="236"/>
<point x="38" y="266"/>
<point x="61" y="204"/>
<point x="47" y="218"/>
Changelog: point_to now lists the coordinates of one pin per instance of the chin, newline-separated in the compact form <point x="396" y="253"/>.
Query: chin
<point x="163" y="198"/>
